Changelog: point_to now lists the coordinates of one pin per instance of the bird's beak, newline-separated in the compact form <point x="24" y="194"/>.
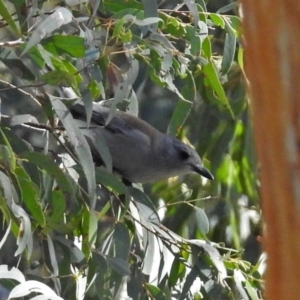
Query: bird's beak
<point x="203" y="172"/>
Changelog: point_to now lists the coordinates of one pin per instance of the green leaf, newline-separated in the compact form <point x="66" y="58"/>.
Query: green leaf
<point x="217" y="19"/>
<point x="233" y="24"/>
<point x="104" y="210"/>
<point x="252" y="291"/>
<point x="213" y="78"/>
<point x="206" y="48"/>
<point x="52" y="22"/>
<point x="119" y="265"/>
<point x="77" y="256"/>
<point x="118" y="5"/>
<point x="84" y="231"/>
<point x="6" y="160"/>
<point x="30" y="195"/>
<point x="155" y="292"/>
<point x="37" y="54"/>
<point x="241" y="57"/>
<point x="201" y="220"/>
<point x="51" y="168"/>
<point x="126" y="37"/>
<point x="110" y="180"/>
<point x="215" y="258"/>
<point x="59" y="78"/>
<point x="189" y="88"/>
<point x="66" y="67"/>
<point x="194" y="39"/>
<point x="119" y="28"/>
<point x="59" y="44"/>
<point x="183" y="107"/>
<point x="141" y="197"/>
<point x="182" y="111"/>
<point x="229" y="52"/>
<point x="122" y="241"/>
<point x="20" y="15"/>
<point x="93" y="228"/>
<point x="94" y="89"/>
<point x="20" y="146"/>
<point x="7" y="16"/>
<point x="80" y="145"/>
<point x="99" y="261"/>
<point x="177" y="272"/>
<point x="171" y="25"/>
<point x="7" y="153"/>
<point x="58" y="205"/>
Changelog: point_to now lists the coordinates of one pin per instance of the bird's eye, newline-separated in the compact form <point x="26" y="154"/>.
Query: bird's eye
<point x="184" y="154"/>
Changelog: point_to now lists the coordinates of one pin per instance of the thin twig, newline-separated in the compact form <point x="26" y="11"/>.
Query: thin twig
<point x="20" y="89"/>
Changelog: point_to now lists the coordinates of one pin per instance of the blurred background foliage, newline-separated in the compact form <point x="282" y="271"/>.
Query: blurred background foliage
<point x="179" y="66"/>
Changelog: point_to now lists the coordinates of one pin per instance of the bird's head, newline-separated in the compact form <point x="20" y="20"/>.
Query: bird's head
<point x="183" y="159"/>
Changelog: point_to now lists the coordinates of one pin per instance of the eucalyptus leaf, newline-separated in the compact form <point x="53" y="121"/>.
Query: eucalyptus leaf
<point x="229" y="52"/>
<point x="30" y="195"/>
<point x="4" y="237"/>
<point x="59" y="44"/>
<point x="119" y="265"/>
<point x="212" y="76"/>
<point x="191" y="4"/>
<point x="54" y="264"/>
<point x="11" y="273"/>
<point x="150" y="8"/>
<point x="51" y="167"/>
<point x="124" y="88"/>
<point x="27" y="287"/>
<point x="239" y="280"/>
<point x="189" y="281"/>
<point x="54" y="21"/>
<point x="20" y="119"/>
<point x="24" y="239"/>
<point x="217" y="19"/>
<point x="201" y="220"/>
<point x="7" y="16"/>
<point x="122" y="241"/>
<point x="182" y="111"/>
<point x="77" y="256"/>
<point x="80" y="144"/>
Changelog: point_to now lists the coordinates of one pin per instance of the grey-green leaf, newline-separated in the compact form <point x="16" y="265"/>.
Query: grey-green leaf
<point x="201" y="220"/>
<point x="54" y="21"/>
<point x="80" y="144"/>
<point x="229" y="52"/>
<point x="119" y="265"/>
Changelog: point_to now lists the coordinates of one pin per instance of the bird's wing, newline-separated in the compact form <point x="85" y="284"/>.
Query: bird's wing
<point x="121" y="122"/>
<point x="99" y="116"/>
<point x="122" y="125"/>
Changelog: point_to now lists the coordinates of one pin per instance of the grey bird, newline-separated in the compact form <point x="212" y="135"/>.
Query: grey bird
<point x="140" y="153"/>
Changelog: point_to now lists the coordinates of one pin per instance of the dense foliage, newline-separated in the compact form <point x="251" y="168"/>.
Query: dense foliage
<point x="73" y="231"/>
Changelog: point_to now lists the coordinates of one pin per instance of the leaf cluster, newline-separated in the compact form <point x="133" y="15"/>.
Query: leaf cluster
<point x="77" y="232"/>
